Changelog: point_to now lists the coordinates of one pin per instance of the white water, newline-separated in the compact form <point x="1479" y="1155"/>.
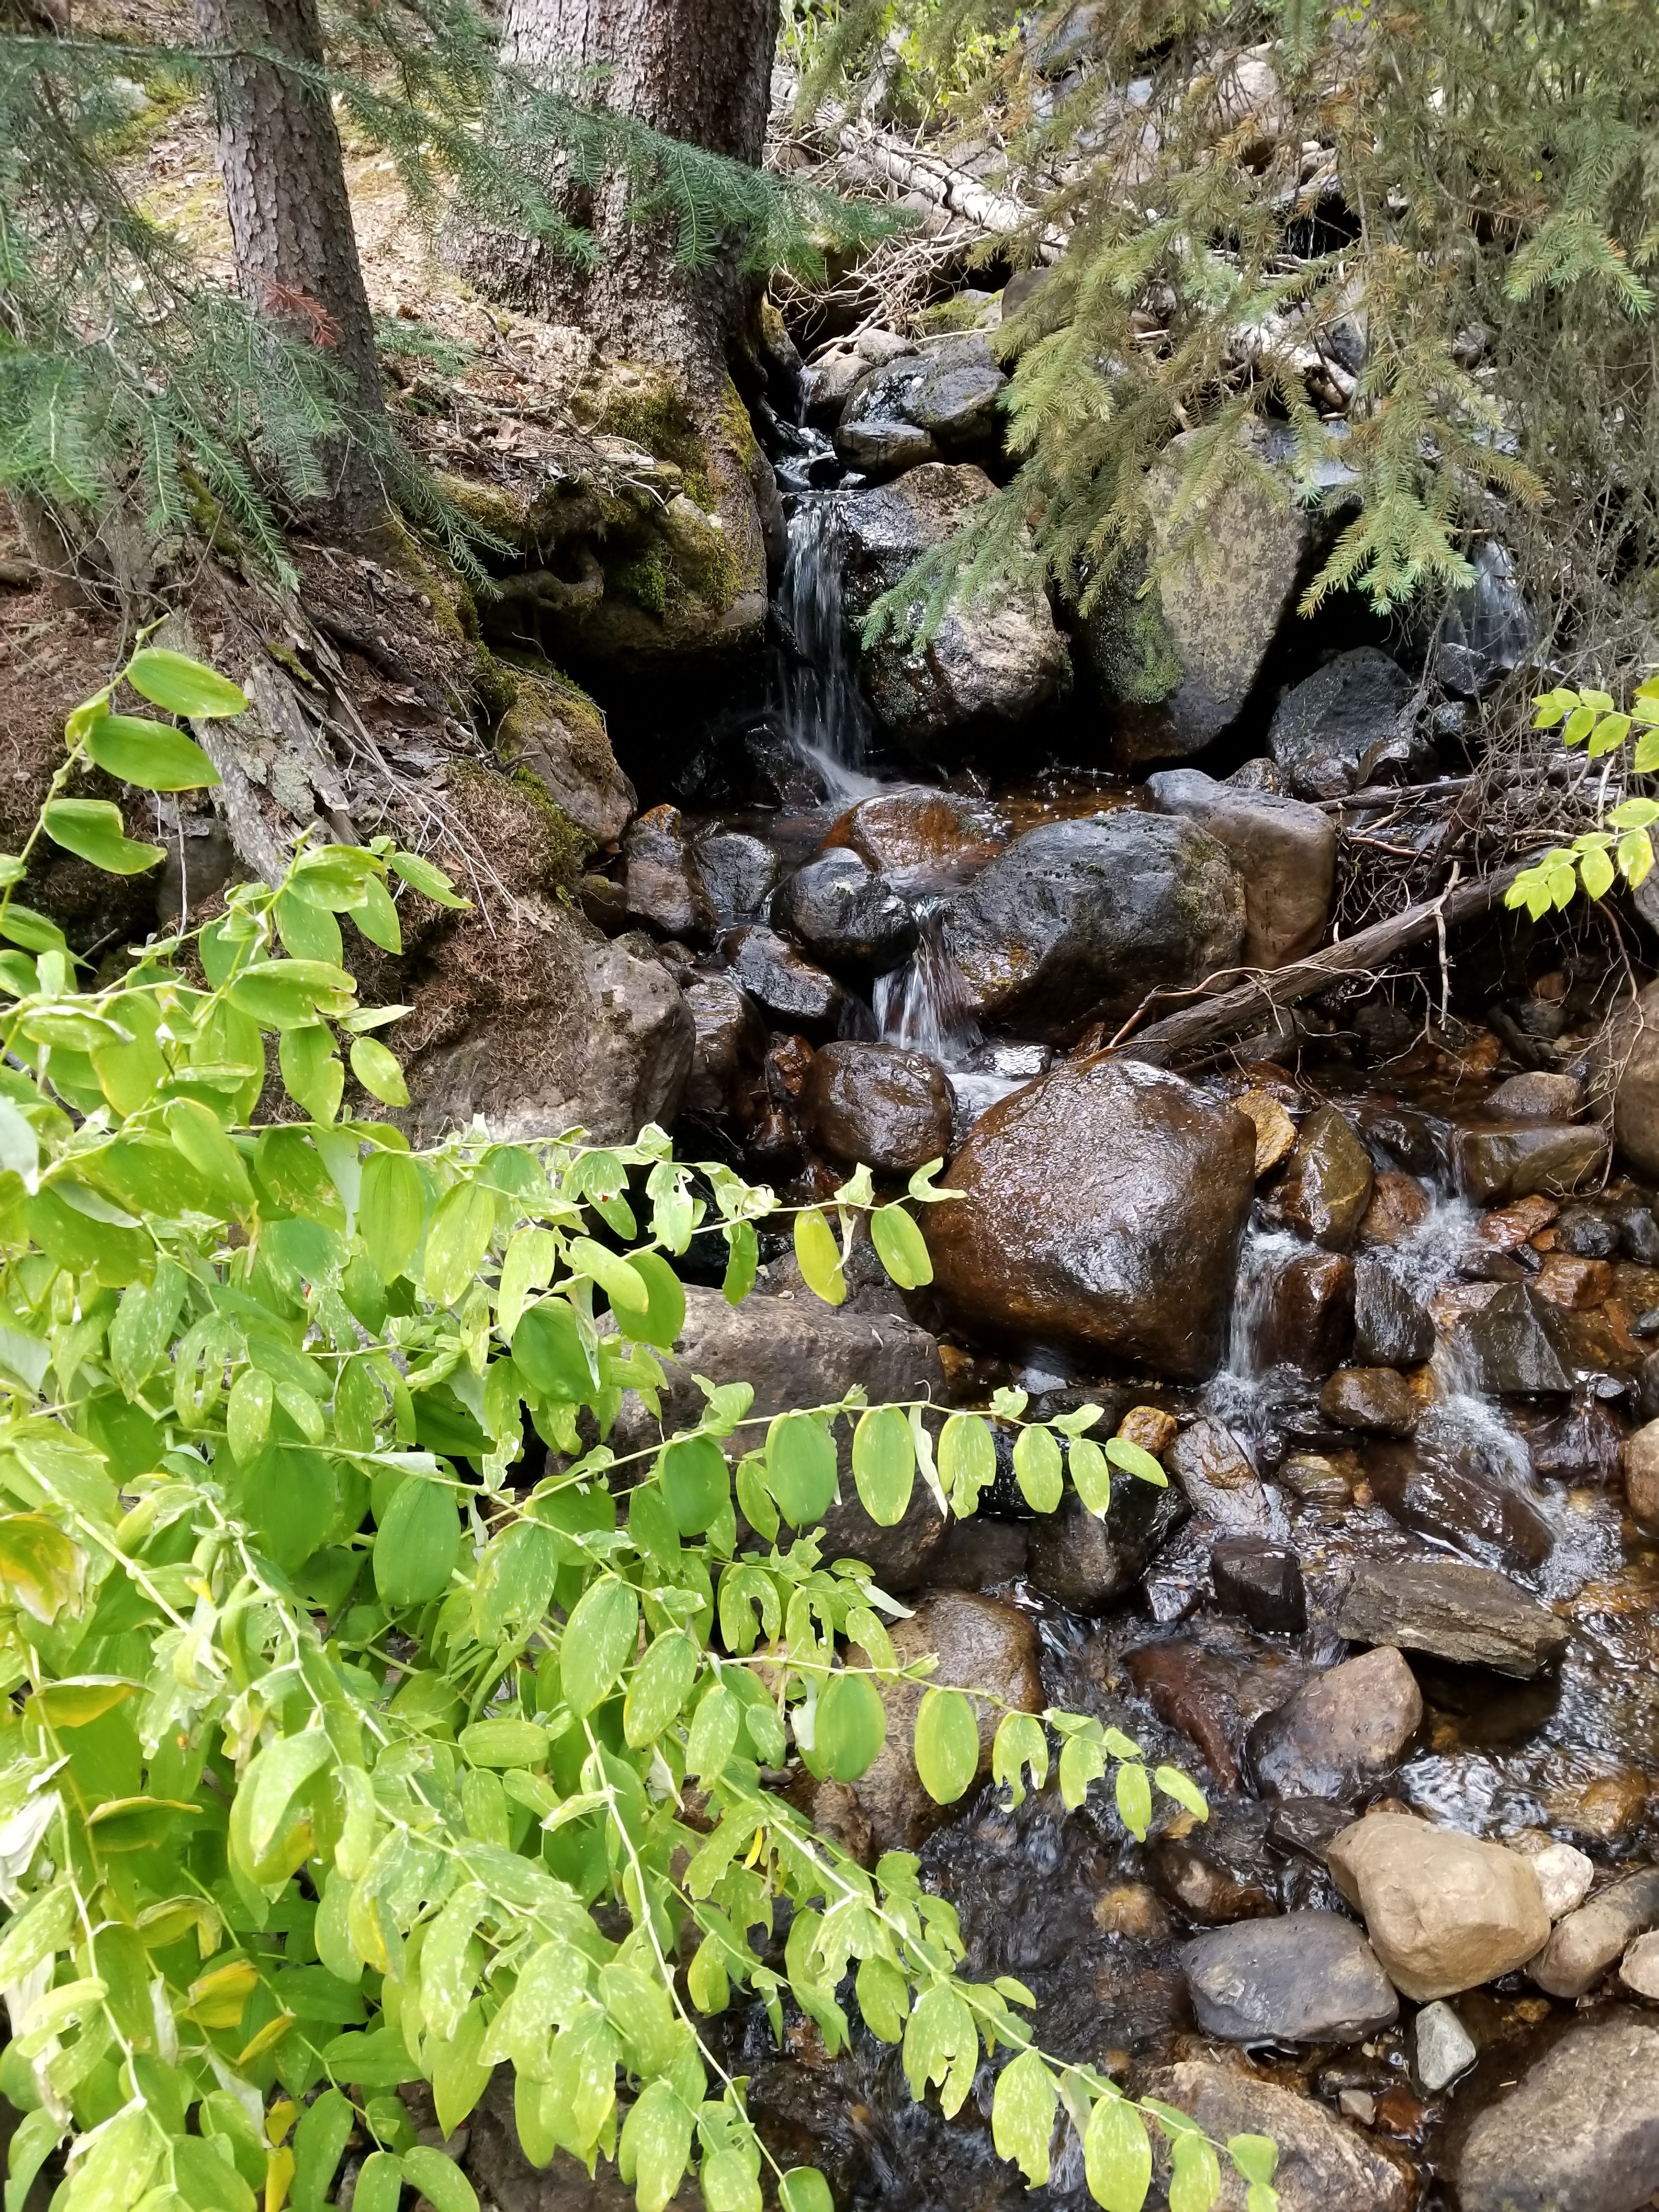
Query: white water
<point x="816" y="697"/>
<point x="924" y="1005"/>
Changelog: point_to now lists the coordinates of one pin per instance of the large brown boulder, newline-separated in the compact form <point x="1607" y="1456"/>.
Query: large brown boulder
<point x="1630" y="1078"/>
<point x="1101" y="1209"/>
<point x="1444" y="1911"/>
<point x="1284" y="851"/>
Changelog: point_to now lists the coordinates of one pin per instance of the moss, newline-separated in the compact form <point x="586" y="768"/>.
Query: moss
<point x="492" y="509"/>
<point x="650" y="407"/>
<point x="1130" y="644"/>
<point x="576" y="707"/>
<point x="568" y="844"/>
<point x="532" y="844"/>
<point x="647" y="579"/>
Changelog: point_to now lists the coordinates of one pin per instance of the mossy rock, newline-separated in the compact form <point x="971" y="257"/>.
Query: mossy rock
<point x="532" y="844"/>
<point x="552" y="736"/>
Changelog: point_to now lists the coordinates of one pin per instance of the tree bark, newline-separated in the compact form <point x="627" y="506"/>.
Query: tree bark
<point x="290" y="222"/>
<point x="698" y="70"/>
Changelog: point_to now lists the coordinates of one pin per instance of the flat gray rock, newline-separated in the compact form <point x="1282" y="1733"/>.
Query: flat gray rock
<point x="1306" y="1977"/>
<point x="1471" y="1615"/>
<point x="1578" y="2132"/>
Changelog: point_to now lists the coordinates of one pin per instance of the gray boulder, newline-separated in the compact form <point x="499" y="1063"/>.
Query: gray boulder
<point x="1340" y="1734"/>
<point x="1306" y="1977"/>
<point x="738" y="872"/>
<point x="1078" y="920"/>
<point x="1087" y="1562"/>
<point x="1103" y="1206"/>
<point x="1577" y="2132"/>
<point x="875" y="1105"/>
<point x="940" y="401"/>
<point x="1471" y="1615"/>
<point x="1324" y="2164"/>
<point x="985" y="666"/>
<point x="843" y="913"/>
<point x="1333" y="732"/>
<point x="1630" y="1075"/>
<point x="1285" y="852"/>
<point x="792" y="989"/>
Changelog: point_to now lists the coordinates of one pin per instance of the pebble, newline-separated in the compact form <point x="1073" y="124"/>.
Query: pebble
<point x="1340" y="1733"/>
<point x="1305" y="1977"/>
<point x="1442" y="2046"/>
<point x="1586" y="1942"/>
<point x="1638" y="1969"/>
<point x="1377" y="1399"/>
<point x="1564" y="1874"/>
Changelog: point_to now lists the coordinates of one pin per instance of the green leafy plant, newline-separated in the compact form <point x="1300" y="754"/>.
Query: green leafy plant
<point x="1623" y="845"/>
<point x="372" y="1719"/>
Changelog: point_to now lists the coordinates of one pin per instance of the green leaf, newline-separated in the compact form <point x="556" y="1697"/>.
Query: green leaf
<point x="1196" y="2178"/>
<point x="1134" y="1798"/>
<point x="24" y="927"/>
<point x="93" y="830"/>
<point x="319" y="2142"/>
<point x="390" y="1211"/>
<point x="39" y="1567"/>
<point x="713" y="1736"/>
<point x="1635" y="814"/>
<point x="1117" y="2156"/>
<point x="661" y="1683"/>
<point x="946" y="1744"/>
<point x="1578" y="726"/>
<point x="457" y="1241"/>
<point x="505" y="1742"/>
<point x="967" y="1461"/>
<point x="655" y="2145"/>
<point x="1185" y="1792"/>
<point x="376" y="917"/>
<point x="1256" y="2157"/>
<point x="1022" y="2115"/>
<point x="804" y="2189"/>
<point x="941" y="2045"/>
<point x="621" y="1282"/>
<point x="553" y="1354"/>
<point x="431" y="883"/>
<point x="1020" y="1741"/>
<point x="1038" y="1469"/>
<point x="418" y="1543"/>
<point x="274" y="1778"/>
<point x="901" y="1247"/>
<point x="885" y="1464"/>
<point x="1635" y="856"/>
<point x="154" y="756"/>
<point x="731" y="2181"/>
<point x="664" y="1318"/>
<point x="1609" y="734"/>
<point x="849" y="1727"/>
<point x="180" y="685"/>
<point x="282" y="994"/>
<point x="1135" y="1460"/>
<point x="742" y="1266"/>
<point x="597" y="1643"/>
<point x="696" y="1481"/>
<point x="1091" y="1473"/>
<point x="247" y="1416"/>
<point x="819" y="1257"/>
<point x="438" y="2179"/>
<point x="379" y="1072"/>
<point x="800" y="1469"/>
<point x="311" y="1070"/>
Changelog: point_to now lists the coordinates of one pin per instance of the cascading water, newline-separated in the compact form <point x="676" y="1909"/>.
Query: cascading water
<point x="817" y="699"/>
<point x="924" y="1006"/>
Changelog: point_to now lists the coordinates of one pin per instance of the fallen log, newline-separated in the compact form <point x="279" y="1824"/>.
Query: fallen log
<point x="1230" y="1012"/>
<point x="874" y="157"/>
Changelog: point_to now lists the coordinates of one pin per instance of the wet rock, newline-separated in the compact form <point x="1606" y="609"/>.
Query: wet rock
<point x="1324" y="2164"/>
<point x="1496" y="1161"/>
<point x="845" y="915"/>
<point x="988" y="668"/>
<point x="1579" y="1285"/>
<point x="1459" y="1504"/>
<point x="1642" y="1477"/>
<point x="978" y="1554"/>
<point x="1629" y="1065"/>
<point x="729" y="1048"/>
<point x="1442" y="2047"/>
<point x="739" y="873"/>
<point x="1150" y="1427"/>
<point x="1306" y="1977"/>
<point x="1263" y="1581"/>
<point x="1222" y="1872"/>
<point x="1638" y="1237"/>
<point x="1578" y="2132"/>
<point x="1377" y="1399"/>
<point x="1444" y="1910"/>
<point x="795" y="1351"/>
<point x="1307" y="1826"/>
<point x="1341" y="1733"/>
<point x="1085" y="1563"/>
<point x="1080" y="918"/>
<point x="917" y="830"/>
<point x="1638" y="1969"/>
<point x="1275" y="1132"/>
<point x="884" y="446"/>
<point x="940" y="400"/>
<point x="1104" y="1209"/>
<point x="835" y="368"/>
<point x="1510" y="1348"/>
<point x="1399" y="1206"/>
<point x="662" y="886"/>
<point x="790" y="987"/>
<point x="1178" y="659"/>
<point x="1537" y="1096"/>
<point x="1391" y="1326"/>
<point x="1284" y="851"/>
<point x="1308" y="1316"/>
<point x="1213" y="1697"/>
<point x="1471" y="1615"/>
<point x="1587" y="1941"/>
<point x="1328" y="1184"/>
<point x="1565" y="1875"/>
<point x="557" y="732"/>
<point x="1586" y="1233"/>
<point x="1509" y="1227"/>
<point x="876" y="1105"/>
<point x="980" y="1643"/>
<point x="1338" y="727"/>
<point x="1219" y="1483"/>
<point x="1488" y="629"/>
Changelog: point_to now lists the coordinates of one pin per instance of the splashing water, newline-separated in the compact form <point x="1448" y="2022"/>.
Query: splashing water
<point x="1245" y="1391"/>
<point x="815" y="685"/>
<point x="924" y="1005"/>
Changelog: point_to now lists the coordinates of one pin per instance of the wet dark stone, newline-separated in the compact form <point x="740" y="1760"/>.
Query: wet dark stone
<point x="1638" y="1236"/>
<point x="1377" y="1400"/>
<point x="731" y="1047"/>
<point x="1327" y="1182"/>
<point x="1341" y="1733"/>
<point x="787" y="985"/>
<point x="1586" y="1234"/>
<point x="1220" y="1484"/>
<point x="1308" y="1319"/>
<point x="845" y="915"/>
<point x="1212" y="1696"/>
<point x="1471" y="1615"/>
<point x="1339" y="726"/>
<point x="1307" y="1826"/>
<point x="1263" y="1581"/>
<point x="1194" y="1874"/>
<point x="1499" y="1161"/>
<point x="979" y="1554"/>
<point x="662" y="886"/>
<point x="1537" y="1096"/>
<point x="1405" y="1137"/>
<point x="1511" y="1343"/>
<point x="1085" y="1562"/>
<point x="1306" y="1977"/>
<point x="738" y="872"/>
<point x="1583" y="1446"/>
<point x="876" y="1105"/>
<point x="1078" y="919"/>
<point x="918" y="831"/>
<point x="1391" y="1326"/>
<point x="1459" y="1503"/>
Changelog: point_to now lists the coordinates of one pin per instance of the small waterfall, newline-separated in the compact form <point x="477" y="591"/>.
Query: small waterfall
<point x="923" y="1005"/>
<point x="1243" y="1391"/>
<point x="816" y="695"/>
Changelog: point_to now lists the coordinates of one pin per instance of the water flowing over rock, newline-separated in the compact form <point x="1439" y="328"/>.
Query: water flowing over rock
<point x="845" y="915"/>
<point x="1392" y="1327"/>
<point x="914" y="830"/>
<point x="1103" y="1208"/>
<point x="1324" y="2164"/>
<point x="1285" y="852"/>
<point x="1306" y="1977"/>
<point x="1578" y="2132"/>
<point x="1337" y="728"/>
<point x="1263" y="1581"/>
<point x="1341" y="1733"/>
<point x="1471" y="1615"/>
<point x="1377" y="1400"/>
<point x="1079" y="920"/>
<point x="1458" y="1503"/>
<point x="876" y="1105"/>
<point x="1329" y="1182"/>
<point x="985" y="668"/>
<point x="1585" y="1943"/>
<point x="1444" y="1911"/>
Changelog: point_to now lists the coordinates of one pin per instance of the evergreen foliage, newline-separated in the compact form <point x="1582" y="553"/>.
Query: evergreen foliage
<point x="1451" y="212"/>
<point x="370" y="1722"/>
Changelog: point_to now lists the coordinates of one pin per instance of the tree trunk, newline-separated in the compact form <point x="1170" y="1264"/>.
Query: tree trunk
<point x="698" y="70"/>
<point x="290" y="222"/>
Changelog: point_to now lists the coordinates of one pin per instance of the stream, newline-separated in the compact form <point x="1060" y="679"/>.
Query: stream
<point x="1491" y="1442"/>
